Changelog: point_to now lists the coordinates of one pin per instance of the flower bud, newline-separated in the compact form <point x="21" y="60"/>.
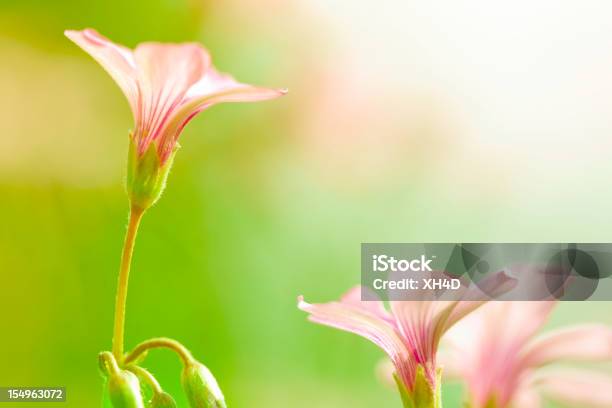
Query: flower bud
<point x="201" y="387"/>
<point x="124" y="390"/>
<point x="146" y="175"/>
<point x="123" y="386"/>
<point x="161" y="400"/>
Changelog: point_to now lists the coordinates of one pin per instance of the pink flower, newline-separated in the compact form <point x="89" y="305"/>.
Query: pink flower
<point x="166" y="85"/>
<point x="409" y="332"/>
<point x="496" y="353"/>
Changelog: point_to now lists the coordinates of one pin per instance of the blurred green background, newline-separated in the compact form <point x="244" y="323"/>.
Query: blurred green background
<point x="376" y="142"/>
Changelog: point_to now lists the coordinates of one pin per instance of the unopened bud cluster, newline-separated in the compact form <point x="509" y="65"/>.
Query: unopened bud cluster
<point x="126" y="389"/>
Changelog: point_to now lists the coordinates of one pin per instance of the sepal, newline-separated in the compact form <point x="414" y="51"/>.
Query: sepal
<point x="146" y="175"/>
<point x="424" y="394"/>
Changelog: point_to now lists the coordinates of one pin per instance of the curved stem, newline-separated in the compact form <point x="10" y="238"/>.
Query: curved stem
<point x="122" y="285"/>
<point x="160" y="342"/>
<point x="108" y="364"/>
<point x="147" y="376"/>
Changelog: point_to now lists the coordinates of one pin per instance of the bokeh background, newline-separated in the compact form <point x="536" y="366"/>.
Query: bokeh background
<point x="426" y="121"/>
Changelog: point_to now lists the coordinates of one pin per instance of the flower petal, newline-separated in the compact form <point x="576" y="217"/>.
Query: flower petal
<point x="116" y="59"/>
<point x="448" y="313"/>
<point x="501" y="322"/>
<point x="384" y="372"/>
<point x="165" y="74"/>
<point x="487" y="341"/>
<point x="211" y="89"/>
<point x="422" y="323"/>
<point x="526" y="397"/>
<point x="413" y="318"/>
<point x="376" y="307"/>
<point x="588" y="342"/>
<point x="580" y="388"/>
<point x="224" y="88"/>
<point x="359" y="318"/>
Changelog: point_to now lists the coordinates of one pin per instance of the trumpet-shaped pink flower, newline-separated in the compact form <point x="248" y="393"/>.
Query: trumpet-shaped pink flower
<point x="166" y="85"/>
<point x="409" y="332"/>
<point x="495" y="350"/>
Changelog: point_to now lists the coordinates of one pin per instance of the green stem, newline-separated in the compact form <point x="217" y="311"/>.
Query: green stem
<point x="160" y="342"/>
<point x="122" y="285"/>
<point x="147" y="377"/>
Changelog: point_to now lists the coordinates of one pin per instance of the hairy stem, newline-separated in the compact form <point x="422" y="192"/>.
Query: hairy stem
<point x="160" y="342"/>
<point x="122" y="285"/>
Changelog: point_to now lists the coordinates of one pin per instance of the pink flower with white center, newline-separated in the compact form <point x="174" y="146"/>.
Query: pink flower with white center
<point x="497" y="353"/>
<point x="166" y="85"/>
<point x="409" y="333"/>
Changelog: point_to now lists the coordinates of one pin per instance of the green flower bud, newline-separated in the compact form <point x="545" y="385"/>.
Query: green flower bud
<point x="201" y="387"/>
<point x="146" y="175"/>
<point x="162" y="400"/>
<point x="124" y="390"/>
<point x="123" y="385"/>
